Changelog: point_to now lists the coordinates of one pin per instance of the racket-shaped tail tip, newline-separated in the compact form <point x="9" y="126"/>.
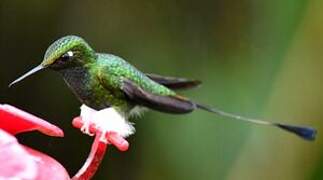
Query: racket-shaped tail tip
<point x="306" y="133"/>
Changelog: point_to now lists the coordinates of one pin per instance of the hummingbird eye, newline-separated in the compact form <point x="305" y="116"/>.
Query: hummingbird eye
<point x="67" y="56"/>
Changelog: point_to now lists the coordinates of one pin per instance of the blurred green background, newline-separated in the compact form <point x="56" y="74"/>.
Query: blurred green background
<point x="256" y="58"/>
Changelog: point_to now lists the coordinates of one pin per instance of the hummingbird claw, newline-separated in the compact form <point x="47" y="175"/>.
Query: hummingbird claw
<point x="86" y="127"/>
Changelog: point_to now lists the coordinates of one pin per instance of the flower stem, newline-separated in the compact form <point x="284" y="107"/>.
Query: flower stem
<point x="93" y="161"/>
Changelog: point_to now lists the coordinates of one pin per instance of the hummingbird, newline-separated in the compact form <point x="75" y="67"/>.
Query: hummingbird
<point x="102" y="80"/>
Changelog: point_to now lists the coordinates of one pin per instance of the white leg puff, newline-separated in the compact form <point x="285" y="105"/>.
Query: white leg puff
<point x="106" y="120"/>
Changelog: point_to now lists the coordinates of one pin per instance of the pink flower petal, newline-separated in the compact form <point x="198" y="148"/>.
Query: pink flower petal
<point x="118" y="141"/>
<point x="48" y="168"/>
<point x="19" y="162"/>
<point x="15" y="161"/>
<point x="14" y="121"/>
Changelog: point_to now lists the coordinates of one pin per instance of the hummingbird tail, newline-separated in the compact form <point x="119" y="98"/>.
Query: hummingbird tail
<point x="307" y="133"/>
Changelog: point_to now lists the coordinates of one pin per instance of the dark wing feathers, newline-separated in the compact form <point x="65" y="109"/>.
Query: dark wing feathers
<point x="170" y="104"/>
<point x="173" y="82"/>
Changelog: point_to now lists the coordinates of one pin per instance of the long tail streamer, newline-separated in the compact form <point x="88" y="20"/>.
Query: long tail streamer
<point x="307" y="133"/>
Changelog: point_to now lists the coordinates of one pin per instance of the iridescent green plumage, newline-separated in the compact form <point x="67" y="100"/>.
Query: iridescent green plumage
<point x="104" y="80"/>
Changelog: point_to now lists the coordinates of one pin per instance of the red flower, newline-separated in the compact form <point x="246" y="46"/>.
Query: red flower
<point x="98" y="150"/>
<point x="21" y="162"/>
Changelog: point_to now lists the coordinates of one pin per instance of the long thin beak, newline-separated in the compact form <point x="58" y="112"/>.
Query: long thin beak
<point x="34" y="70"/>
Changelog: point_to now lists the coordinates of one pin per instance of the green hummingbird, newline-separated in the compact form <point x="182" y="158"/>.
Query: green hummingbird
<point x="102" y="80"/>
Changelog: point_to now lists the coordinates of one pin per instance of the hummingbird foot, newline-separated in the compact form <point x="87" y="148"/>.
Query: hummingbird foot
<point x="86" y="128"/>
<point x="86" y="114"/>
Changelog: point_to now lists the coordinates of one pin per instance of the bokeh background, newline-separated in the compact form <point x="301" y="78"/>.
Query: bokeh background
<point x="256" y="58"/>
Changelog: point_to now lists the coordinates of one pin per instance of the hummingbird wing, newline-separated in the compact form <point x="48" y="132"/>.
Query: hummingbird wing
<point x="169" y="104"/>
<point x="174" y="82"/>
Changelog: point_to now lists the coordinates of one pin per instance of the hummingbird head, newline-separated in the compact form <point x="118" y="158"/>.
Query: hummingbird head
<point x="66" y="52"/>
